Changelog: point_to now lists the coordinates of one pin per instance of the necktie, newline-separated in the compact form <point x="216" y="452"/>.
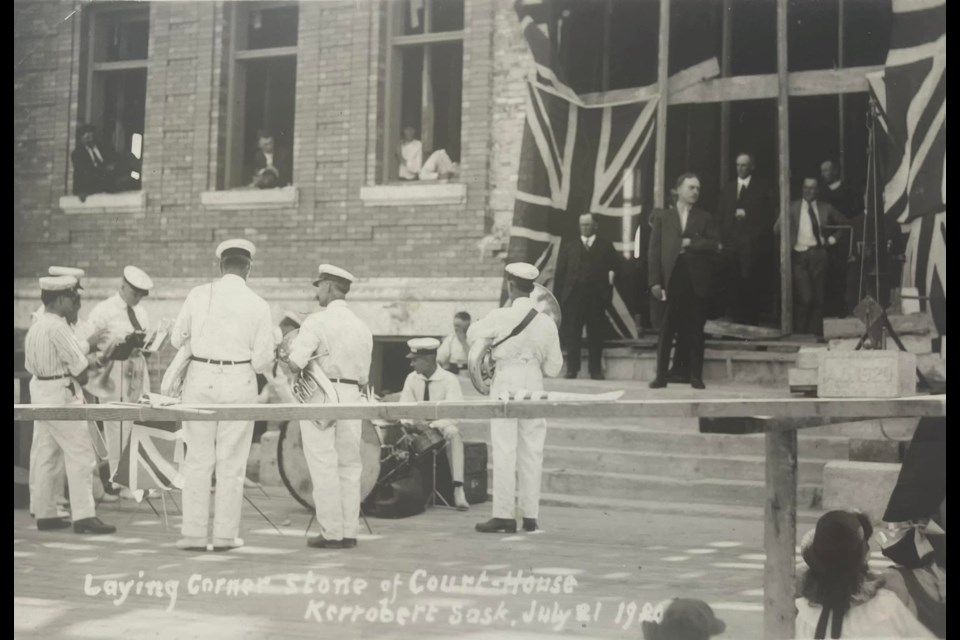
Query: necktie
<point x="426" y="390"/>
<point x="133" y="319"/>
<point x="740" y="191"/>
<point x="814" y="223"/>
<point x="93" y="156"/>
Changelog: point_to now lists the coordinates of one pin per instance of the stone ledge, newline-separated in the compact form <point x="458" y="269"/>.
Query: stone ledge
<point x="390" y="195"/>
<point x="245" y="199"/>
<point x="859" y="485"/>
<point x="105" y="203"/>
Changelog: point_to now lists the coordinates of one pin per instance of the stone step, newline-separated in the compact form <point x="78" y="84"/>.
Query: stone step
<point x="651" y="487"/>
<point x="674" y="465"/>
<point x="726" y="366"/>
<point x="661" y="442"/>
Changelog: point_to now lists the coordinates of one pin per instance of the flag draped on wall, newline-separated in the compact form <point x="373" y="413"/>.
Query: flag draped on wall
<point x="911" y="99"/>
<point x="150" y="459"/>
<point x="580" y="158"/>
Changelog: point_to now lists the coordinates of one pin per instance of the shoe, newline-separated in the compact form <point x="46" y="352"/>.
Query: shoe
<point x="597" y="376"/>
<point x="349" y="543"/>
<point x="192" y="544"/>
<point x="109" y="497"/>
<point x="530" y="525"/>
<point x="697" y="383"/>
<point x="93" y="525"/>
<point x="497" y="525"/>
<point x="460" y="499"/>
<point x="677" y="377"/>
<point x="571" y="375"/>
<point x="320" y="542"/>
<point x="657" y="383"/>
<point x="225" y="544"/>
<point x="52" y="524"/>
<point x="126" y="494"/>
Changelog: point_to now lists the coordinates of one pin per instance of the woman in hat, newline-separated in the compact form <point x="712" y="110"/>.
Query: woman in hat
<point x="839" y="595"/>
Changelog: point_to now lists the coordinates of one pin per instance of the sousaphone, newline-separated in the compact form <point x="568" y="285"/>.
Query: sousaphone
<point x="481" y="364"/>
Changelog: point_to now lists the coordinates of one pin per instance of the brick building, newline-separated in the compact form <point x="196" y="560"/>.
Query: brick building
<point x="184" y="86"/>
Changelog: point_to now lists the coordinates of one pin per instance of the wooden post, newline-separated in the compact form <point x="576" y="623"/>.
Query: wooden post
<point x="783" y="108"/>
<point x="726" y="63"/>
<point x="663" y="82"/>
<point x="842" y="120"/>
<point x="780" y="534"/>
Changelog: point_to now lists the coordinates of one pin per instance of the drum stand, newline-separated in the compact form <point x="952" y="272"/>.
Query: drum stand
<point x="434" y="494"/>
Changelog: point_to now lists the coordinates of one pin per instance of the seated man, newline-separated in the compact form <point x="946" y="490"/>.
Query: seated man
<point x="454" y="349"/>
<point x="97" y="169"/>
<point x="410" y="154"/>
<point x="269" y="156"/>
<point x="439" y="166"/>
<point x="428" y="382"/>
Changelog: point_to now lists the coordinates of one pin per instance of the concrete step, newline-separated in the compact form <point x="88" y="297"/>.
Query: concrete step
<point x="662" y="442"/>
<point x="763" y="368"/>
<point x="672" y="465"/>
<point x="649" y="487"/>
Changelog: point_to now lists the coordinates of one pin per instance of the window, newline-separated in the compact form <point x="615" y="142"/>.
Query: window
<point x="115" y="90"/>
<point x="262" y="86"/>
<point x="424" y="85"/>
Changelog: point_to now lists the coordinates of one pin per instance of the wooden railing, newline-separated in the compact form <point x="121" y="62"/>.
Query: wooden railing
<point x="780" y="419"/>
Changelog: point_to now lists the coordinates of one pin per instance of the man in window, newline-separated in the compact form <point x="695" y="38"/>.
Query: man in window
<point x="439" y="166"/>
<point x="96" y="168"/>
<point x="272" y="165"/>
<point x="410" y="154"/>
<point x="453" y="351"/>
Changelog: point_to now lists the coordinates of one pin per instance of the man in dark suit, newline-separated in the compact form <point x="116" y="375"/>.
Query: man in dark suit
<point x="843" y="268"/>
<point x="96" y="168"/>
<point x="808" y="218"/>
<point x="746" y="212"/>
<point x="583" y="285"/>
<point x="681" y="263"/>
<point x="272" y="166"/>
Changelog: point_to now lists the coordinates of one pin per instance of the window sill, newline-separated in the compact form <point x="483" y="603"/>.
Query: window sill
<point x="414" y="193"/>
<point x="240" y="199"/>
<point x="127" y="202"/>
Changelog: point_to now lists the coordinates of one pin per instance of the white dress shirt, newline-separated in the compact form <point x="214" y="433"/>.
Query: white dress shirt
<point x="225" y="320"/>
<point x="684" y="215"/>
<point x="444" y="386"/>
<point x="95" y="155"/>
<point x="52" y="349"/>
<point x="805" y="236"/>
<point x="412" y="156"/>
<point x="452" y="351"/>
<point x="743" y="183"/>
<point x="268" y="158"/>
<point x="539" y="341"/>
<point x="111" y="314"/>
<point x="342" y="342"/>
<point x="588" y="242"/>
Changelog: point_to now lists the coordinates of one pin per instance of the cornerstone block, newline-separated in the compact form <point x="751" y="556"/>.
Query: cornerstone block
<point x="867" y="374"/>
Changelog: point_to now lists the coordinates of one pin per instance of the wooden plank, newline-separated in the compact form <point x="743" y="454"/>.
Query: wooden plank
<point x="734" y="330"/>
<point x="663" y="56"/>
<point x="918" y="406"/>
<point x="783" y="138"/>
<point x="909" y="324"/>
<point x="678" y="82"/>
<point x="780" y="534"/>
<point x="427" y="38"/>
<point x="753" y="356"/>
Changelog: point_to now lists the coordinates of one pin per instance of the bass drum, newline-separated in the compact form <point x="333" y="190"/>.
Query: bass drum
<point x="295" y="475"/>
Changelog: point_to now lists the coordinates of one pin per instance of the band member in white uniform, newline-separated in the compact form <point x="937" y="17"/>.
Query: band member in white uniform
<point x="118" y="316"/>
<point x="342" y="346"/>
<point x="230" y="333"/>
<point x="428" y="382"/>
<point x="521" y="363"/>
<point x="56" y="359"/>
<point x="88" y="342"/>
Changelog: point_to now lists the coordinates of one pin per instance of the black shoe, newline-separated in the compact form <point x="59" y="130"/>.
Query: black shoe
<point x="570" y="375"/>
<point x="677" y="377"/>
<point x="349" y="543"/>
<point x="52" y="524"/>
<point x="320" y="542"/>
<point x="497" y="525"/>
<point x="657" y="383"/>
<point x="697" y="383"/>
<point x="530" y="525"/>
<point x="93" y="525"/>
<point x="597" y="376"/>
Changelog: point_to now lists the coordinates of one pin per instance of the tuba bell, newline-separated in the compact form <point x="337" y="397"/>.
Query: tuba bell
<point x="480" y="364"/>
<point x="311" y="385"/>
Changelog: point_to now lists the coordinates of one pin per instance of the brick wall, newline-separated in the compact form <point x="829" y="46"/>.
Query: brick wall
<point x="336" y="149"/>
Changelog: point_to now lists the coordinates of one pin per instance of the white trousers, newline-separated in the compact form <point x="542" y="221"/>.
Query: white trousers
<point x="454" y="450"/>
<point x="117" y="436"/>
<point x="333" y="457"/>
<point x="517" y="446"/>
<point x="130" y="380"/>
<point x="221" y="447"/>
<point x="50" y="439"/>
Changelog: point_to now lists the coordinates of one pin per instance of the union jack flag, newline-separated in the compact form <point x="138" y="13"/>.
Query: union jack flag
<point x="575" y="158"/>
<point x="150" y="459"/>
<point x="911" y="99"/>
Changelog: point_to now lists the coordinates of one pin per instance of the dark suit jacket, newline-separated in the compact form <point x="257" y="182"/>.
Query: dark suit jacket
<point x="282" y="162"/>
<point x="88" y="178"/>
<point x="826" y="216"/>
<point x="844" y="199"/>
<point x="665" y="241"/>
<point x="745" y="233"/>
<point x="571" y="260"/>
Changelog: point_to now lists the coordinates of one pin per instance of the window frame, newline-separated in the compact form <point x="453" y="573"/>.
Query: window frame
<point x="396" y="43"/>
<point x="236" y="87"/>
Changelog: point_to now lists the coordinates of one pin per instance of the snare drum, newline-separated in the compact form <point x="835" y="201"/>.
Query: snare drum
<point x="424" y="443"/>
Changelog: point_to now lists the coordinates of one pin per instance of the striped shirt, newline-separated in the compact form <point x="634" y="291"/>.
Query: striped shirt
<point x="227" y="321"/>
<point x="52" y="349"/>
